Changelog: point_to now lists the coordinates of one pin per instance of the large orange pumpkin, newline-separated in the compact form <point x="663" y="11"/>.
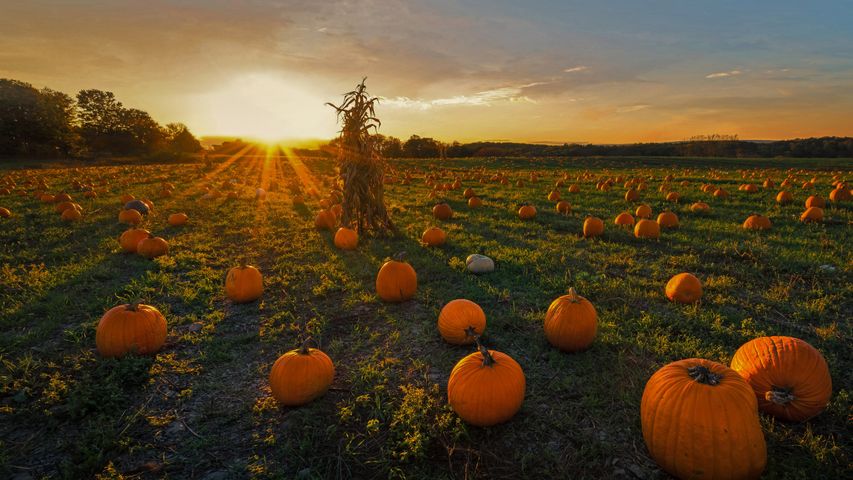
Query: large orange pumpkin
<point x="300" y="376"/>
<point x="396" y="281"/>
<point x="526" y="212"/>
<point x="593" y="227"/>
<point x="571" y="322"/>
<point x="442" y="211"/>
<point x="346" y="238"/>
<point x="130" y="239"/>
<point x="815" y="201"/>
<point x="790" y="378"/>
<point x="244" y="284"/>
<point x="486" y="388"/>
<point x="643" y="211"/>
<point x="684" y="288"/>
<point x="757" y="222"/>
<point x="433" y="237"/>
<point x="700" y="420"/>
<point x="812" y="214"/>
<point x="668" y="219"/>
<point x="624" y="219"/>
<point x="647" y="229"/>
<point x="460" y="321"/>
<point x="325" y="220"/>
<point x="152" y="247"/>
<point x="131" y="328"/>
<point x="784" y="197"/>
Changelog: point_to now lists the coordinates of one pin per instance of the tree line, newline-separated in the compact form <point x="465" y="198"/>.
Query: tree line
<point x="49" y="123"/>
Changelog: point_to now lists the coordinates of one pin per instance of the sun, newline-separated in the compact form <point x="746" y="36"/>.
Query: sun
<point x="264" y="107"/>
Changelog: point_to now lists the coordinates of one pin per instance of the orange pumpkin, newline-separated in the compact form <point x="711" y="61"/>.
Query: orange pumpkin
<point x="688" y="440"/>
<point x="593" y="227"/>
<point x="840" y="194"/>
<point x="442" y="211"/>
<point x="668" y="219"/>
<point x="325" y="220"/>
<point x="130" y="217"/>
<point x="133" y="328"/>
<point x="684" y="288"/>
<point x="564" y="207"/>
<point x="5" y="213"/>
<point x="461" y="321"/>
<point x="475" y="202"/>
<point x="300" y="376"/>
<point x="244" y="284"/>
<point x="571" y="322"/>
<point x="130" y="239"/>
<point x="624" y="220"/>
<point x="177" y="219"/>
<point x="643" y="211"/>
<point x="346" y="238"/>
<point x="815" y="201"/>
<point x="757" y="222"/>
<point x="632" y="195"/>
<point x="433" y="237"/>
<point x="486" y="388"/>
<point x="784" y="197"/>
<point x="647" y="229"/>
<point x="812" y="214"/>
<point x="699" y="207"/>
<point x="72" y="214"/>
<point x="526" y="212"/>
<point x="790" y="378"/>
<point x="152" y="247"/>
<point x="672" y="197"/>
<point x="396" y="280"/>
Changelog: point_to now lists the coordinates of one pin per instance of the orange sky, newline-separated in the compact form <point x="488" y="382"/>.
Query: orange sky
<point x="554" y="71"/>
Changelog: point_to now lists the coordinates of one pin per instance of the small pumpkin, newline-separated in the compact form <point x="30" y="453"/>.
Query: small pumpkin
<point x="571" y="322"/>
<point x="325" y="220"/>
<point x="301" y="375"/>
<point x="632" y="195"/>
<point x="700" y="207"/>
<point x="526" y="212"/>
<point x="460" y="321"/>
<point x="442" y="211"/>
<point x="475" y="202"/>
<point x="130" y="216"/>
<point x="757" y="222"/>
<point x="72" y="214"/>
<point x="131" y="328"/>
<point x="812" y="214"/>
<point x="564" y="207"/>
<point x="815" y="201"/>
<point x="840" y="194"/>
<point x="396" y="281"/>
<point x="244" y="284"/>
<point x="5" y="212"/>
<point x="643" y="211"/>
<point x="178" y="219"/>
<point x="668" y="219"/>
<point x="346" y="238"/>
<point x="684" y="288"/>
<point x="689" y="440"/>
<point x="647" y="229"/>
<point x="486" y="387"/>
<point x="477" y="263"/>
<point x="790" y="378"/>
<point x="130" y="239"/>
<point x="784" y="197"/>
<point x="624" y="219"/>
<point x="152" y="247"/>
<point x="433" y="237"/>
<point x="593" y="227"/>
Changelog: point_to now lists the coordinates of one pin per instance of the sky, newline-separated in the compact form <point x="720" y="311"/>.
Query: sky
<point x="534" y="71"/>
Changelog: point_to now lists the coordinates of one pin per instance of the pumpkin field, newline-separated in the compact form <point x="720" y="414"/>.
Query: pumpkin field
<point x="83" y="395"/>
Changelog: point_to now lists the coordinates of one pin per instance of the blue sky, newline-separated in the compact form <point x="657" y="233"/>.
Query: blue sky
<point x="615" y="71"/>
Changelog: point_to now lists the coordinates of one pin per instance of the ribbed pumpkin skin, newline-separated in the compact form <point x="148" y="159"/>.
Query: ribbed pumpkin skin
<point x="458" y="316"/>
<point x="571" y="323"/>
<point x="297" y="378"/>
<point x="684" y="288"/>
<point x="123" y="330"/>
<point x="699" y="431"/>
<point x="131" y="238"/>
<point x="789" y="363"/>
<point x="346" y="239"/>
<point x="244" y="284"/>
<point x="433" y="237"/>
<point x="486" y="395"/>
<point x="178" y="219"/>
<point x="442" y="211"/>
<point x="593" y="227"/>
<point x="647" y="229"/>
<point x="396" y="281"/>
<point x="152" y="247"/>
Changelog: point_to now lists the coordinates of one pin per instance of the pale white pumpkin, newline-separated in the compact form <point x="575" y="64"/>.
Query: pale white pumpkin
<point x="479" y="263"/>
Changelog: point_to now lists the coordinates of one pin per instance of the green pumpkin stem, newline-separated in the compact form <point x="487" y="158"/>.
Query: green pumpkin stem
<point x="573" y="295"/>
<point x="304" y="349"/>
<point x="704" y="375"/>
<point x="780" y="395"/>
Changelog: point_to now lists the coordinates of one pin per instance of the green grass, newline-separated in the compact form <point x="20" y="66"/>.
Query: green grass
<point x="203" y="404"/>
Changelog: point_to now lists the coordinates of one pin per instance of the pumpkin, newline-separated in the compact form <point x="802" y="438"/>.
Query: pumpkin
<point x="840" y="194"/>
<point x="152" y="247"/>
<point x="720" y="193"/>
<point x="643" y="211"/>
<point x="699" y="420"/>
<point x="815" y="201"/>
<point x="138" y="205"/>
<point x="477" y="263"/>
<point x="668" y="219"/>
<point x="624" y="220"/>
<point x="63" y="206"/>
<point x="346" y="238"/>
<point x="632" y="195"/>
<point x="486" y="387"/>
<point x="475" y="202"/>
<point x="699" y="207"/>
<point x="442" y="211"/>
<point x="593" y="227"/>
<point x="325" y="220"/>
<point x="461" y="321"/>
<point x="72" y="214"/>
<point x="526" y="212"/>
<point x="756" y="222"/>
<point x="554" y="196"/>
<point x="396" y="280"/>
<point x="130" y="239"/>
<point x="469" y="193"/>
<point x="672" y="197"/>
<point x="574" y="188"/>
<point x="647" y="229"/>
<point x="244" y="284"/>
<point x="5" y="213"/>
<point x="784" y="198"/>
<point x="433" y="237"/>
<point x="130" y="217"/>
<point x="133" y="328"/>
<point x="571" y="322"/>
<point x="684" y="288"/>
<point x="62" y="197"/>
<point x="790" y="378"/>
<point x="812" y="214"/>
<point x="178" y="219"/>
<point x="301" y="375"/>
<point x="564" y="207"/>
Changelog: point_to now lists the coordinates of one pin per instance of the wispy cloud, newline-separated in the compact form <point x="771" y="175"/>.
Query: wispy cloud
<point x="632" y="108"/>
<point x="730" y="73"/>
<point x="579" y="68"/>
<point x="483" y="98"/>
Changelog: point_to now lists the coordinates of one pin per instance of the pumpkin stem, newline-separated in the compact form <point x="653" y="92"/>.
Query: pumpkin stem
<point x="573" y="295"/>
<point x="471" y="332"/>
<point x="304" y="350"/>
<point x="703" y="375"/>
<point x="134" y="305"/>
<point x="488" y="361"/>
<point x="780" y="395"/>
